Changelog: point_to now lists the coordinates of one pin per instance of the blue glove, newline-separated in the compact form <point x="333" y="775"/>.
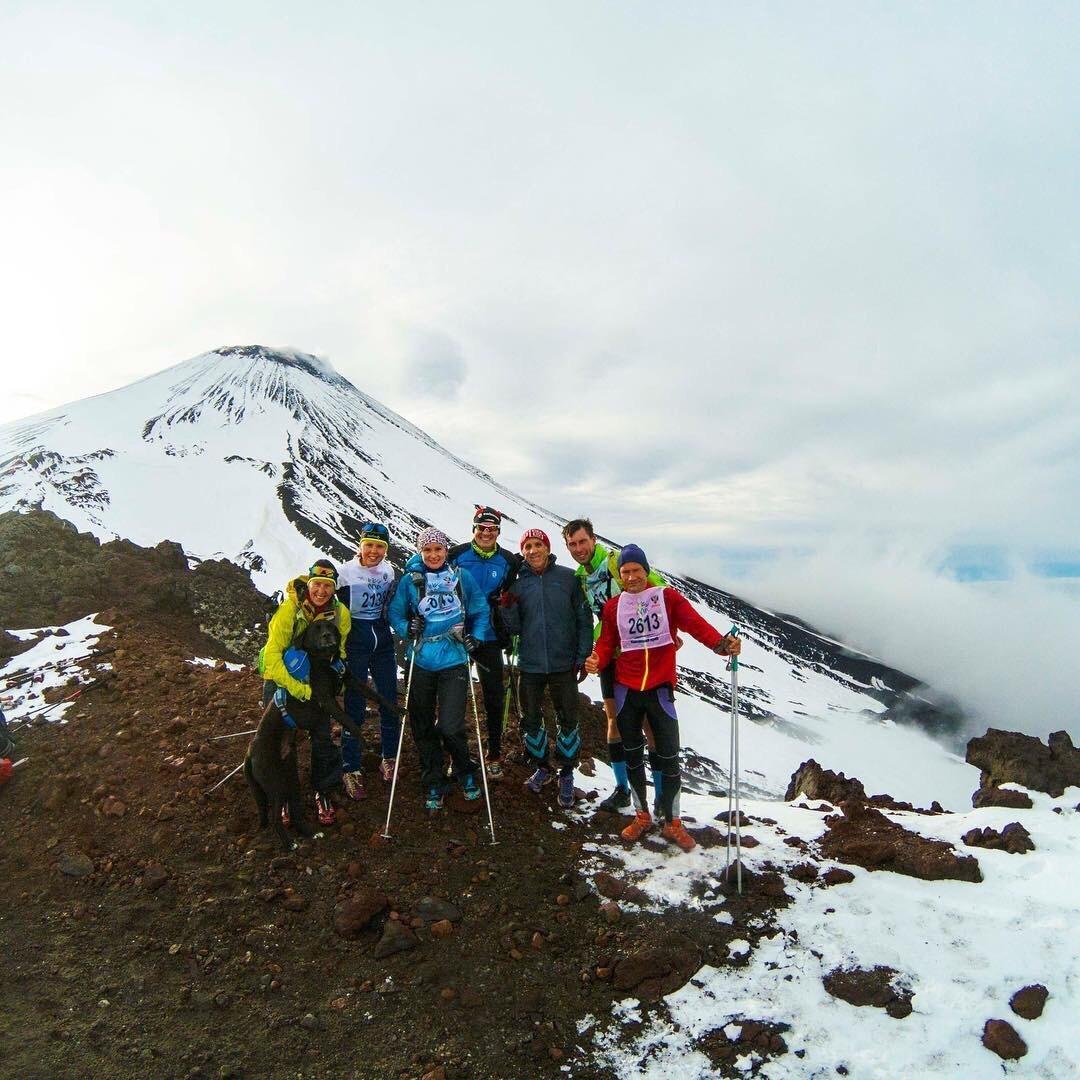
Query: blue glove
<point x="338" y="665"/>
<point x="281" y="699"/>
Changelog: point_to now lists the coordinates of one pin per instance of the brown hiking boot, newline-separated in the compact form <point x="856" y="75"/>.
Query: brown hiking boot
<point x="637" y="828"/>
<point x="677" y="834"/>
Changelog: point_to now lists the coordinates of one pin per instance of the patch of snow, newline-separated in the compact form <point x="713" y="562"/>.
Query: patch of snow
<point x="962" y="948"/>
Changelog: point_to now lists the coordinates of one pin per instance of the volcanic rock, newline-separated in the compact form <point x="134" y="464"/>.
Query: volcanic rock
<point x="351" y="916"/>
<point x="432" y="909"/>
<point x="1009" y="756"/>
<point x="1001" y="1037"/>
<point x="870" y="986"/>
<point x="1030" y="1001"/>
<point x="656" y="970"/>
<point x="395" y="938"/>
<point x="154" y="876"/>
<point x="837" y="875"/>
<point x="1014" y="839"/>
<point x="815" y="782"/>
<point x="864" y="837"/>
<point x="76" y="866"/>
<point x="997" y="796"/>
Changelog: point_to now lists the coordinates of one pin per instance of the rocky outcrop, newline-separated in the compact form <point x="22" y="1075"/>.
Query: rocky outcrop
<point x="863" y="836"/>
<point x="1014" y="839"/>
<point x="816" y="782"/>
<point x="1010" y="757"/>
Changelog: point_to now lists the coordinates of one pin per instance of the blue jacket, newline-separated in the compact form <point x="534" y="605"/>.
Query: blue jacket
<point x="451" y="605"/>
<point x="551" y="617"/>
<point x="491" y="574"/>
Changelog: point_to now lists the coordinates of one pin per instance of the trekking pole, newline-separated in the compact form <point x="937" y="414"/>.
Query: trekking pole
<point x="215" y="738"/>
<point x="401" y="739"/>
<point x="733" y="772"/>
<point x="226" y="777"/>
<point x="480" y="750"/>
<point x="509" y="683"/>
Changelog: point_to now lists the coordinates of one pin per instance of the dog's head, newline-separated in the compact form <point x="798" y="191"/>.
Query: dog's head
<point x="321" y="640"/>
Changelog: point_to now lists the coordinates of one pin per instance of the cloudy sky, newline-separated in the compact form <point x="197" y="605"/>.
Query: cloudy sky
<point x="767" y="286"/>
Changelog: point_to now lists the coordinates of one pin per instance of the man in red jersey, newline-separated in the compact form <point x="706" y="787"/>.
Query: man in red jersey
<point x="642" y="622"/>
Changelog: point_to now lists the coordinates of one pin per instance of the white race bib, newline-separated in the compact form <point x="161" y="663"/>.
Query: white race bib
<point x="643" y="620"/>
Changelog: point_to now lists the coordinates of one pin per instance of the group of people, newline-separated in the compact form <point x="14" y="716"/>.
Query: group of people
<point x="468" y="605"/>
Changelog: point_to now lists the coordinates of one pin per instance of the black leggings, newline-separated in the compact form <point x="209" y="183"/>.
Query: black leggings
<point x="562" y="686"/>
<point x="444" y="692"/>
<point x="489" y="666"/>
<point x="658" y="707"/>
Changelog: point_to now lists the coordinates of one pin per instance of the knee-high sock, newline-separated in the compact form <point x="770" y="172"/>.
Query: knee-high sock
<point x="617" y="757"/>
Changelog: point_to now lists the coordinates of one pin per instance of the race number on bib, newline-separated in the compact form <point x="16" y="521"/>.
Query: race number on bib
<point x="643" y="620"/>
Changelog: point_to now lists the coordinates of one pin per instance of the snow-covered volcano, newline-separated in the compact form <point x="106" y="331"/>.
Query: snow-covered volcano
<point x="268" y="457"/>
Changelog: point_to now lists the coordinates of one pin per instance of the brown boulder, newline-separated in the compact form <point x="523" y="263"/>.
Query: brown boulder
<point x="1001" y="1037"/>
<point x="1010" y="757"/>
<point x="656" y="970"/>
<point x="837" y="875"/>
<point x="870" y="986"/>
<point x="815" y="782"/>
<point x="1030" y="1001"/>
<point x="864" y="837"/>
<point x="996" y="796"/>
<point x="351" y="916"/>
<point x="1014" y="839"/>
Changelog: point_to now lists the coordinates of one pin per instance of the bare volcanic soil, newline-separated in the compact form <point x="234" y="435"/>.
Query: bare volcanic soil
<point x="150" y="929"/>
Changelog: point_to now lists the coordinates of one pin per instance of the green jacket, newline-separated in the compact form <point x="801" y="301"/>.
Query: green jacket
<point x="290" y="620"/>
<point x="599" y="579"/>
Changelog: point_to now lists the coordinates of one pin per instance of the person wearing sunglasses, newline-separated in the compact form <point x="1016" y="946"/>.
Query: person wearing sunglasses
<point x="492" y="569"/>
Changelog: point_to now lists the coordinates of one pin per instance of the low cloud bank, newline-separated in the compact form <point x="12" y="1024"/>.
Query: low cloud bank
<point x="1006" y="650"/>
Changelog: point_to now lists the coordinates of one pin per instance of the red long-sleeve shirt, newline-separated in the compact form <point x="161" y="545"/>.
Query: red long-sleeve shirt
<point x="642" y="669"/>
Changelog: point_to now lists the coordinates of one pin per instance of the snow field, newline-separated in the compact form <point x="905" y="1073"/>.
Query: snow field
<point x="963" y="949"/>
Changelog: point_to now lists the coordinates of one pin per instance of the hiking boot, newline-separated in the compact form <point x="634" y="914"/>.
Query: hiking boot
<point x="354" y="785"/>
<point x="677" y="834"/>
<point x="386" y="770"/>
<point x="494" y="770"/>
<point x="542" y="776"/>
<point x="637" y="828"/>
<point x="324" y="810"/>
<point x="616" y="801"/>
<point x="472" y="792"/>
<point x="566" y="790"/>
<point x="434" y="800"/>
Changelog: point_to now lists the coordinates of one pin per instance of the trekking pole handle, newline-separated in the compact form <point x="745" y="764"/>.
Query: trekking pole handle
<point x="733" y="661"/>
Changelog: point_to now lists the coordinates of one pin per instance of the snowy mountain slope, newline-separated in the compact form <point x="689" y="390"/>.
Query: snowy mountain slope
<point x="270" y="457"/>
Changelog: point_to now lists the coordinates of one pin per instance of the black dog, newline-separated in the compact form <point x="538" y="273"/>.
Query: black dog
<point x="271" y="766"/>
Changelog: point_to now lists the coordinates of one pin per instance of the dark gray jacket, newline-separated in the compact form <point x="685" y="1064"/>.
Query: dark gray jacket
<point x="551" y="617"/>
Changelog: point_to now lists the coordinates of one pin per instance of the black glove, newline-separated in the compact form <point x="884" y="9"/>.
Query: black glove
<point x="580" y="673"/>
<point x="416" y="626"/>
<point x="471" y="644"/>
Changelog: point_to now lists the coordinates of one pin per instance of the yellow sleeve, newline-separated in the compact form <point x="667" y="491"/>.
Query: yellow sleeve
<point x="344" y="625"/>
<point x="279" y="638"/>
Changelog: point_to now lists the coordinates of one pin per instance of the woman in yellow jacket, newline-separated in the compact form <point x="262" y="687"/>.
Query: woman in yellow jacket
<point x="309" y="597"/>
